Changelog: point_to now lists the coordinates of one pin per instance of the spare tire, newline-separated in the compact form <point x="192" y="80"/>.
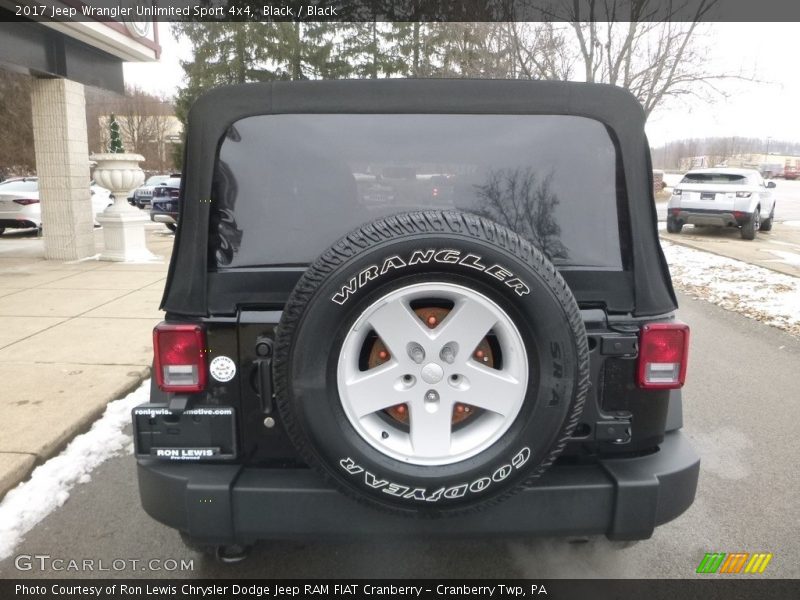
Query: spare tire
<point x="431" y="363"/>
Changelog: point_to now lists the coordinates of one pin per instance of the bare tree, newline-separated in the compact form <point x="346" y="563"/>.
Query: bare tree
<point x="146" y="123"/>
<point x="540" y="51"/>
<point x="97" y="102"/>
<point x="523" y="201"/>
<point x="650" y="47"/>
<point x="16" y="125"/>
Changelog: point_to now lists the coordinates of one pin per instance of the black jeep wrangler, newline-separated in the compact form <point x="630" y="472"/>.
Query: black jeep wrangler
<point x="395" y="301"/>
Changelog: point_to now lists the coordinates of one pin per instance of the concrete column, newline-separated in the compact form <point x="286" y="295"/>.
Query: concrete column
<point x="62" y="164"/>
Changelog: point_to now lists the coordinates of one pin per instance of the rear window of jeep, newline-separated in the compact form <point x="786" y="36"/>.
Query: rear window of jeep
<point x="288" y="186"/>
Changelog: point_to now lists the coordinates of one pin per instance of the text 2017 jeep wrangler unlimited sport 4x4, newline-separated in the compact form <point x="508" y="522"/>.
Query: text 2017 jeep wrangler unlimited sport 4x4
<point x="394" y="299"/>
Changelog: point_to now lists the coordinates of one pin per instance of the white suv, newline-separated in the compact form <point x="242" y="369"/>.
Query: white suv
<point x="724" y="197"/>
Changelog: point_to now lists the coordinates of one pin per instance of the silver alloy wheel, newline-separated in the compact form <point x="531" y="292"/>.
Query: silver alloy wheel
<point x="431" y="370"/>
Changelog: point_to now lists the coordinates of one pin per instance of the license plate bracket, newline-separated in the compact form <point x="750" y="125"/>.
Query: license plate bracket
<point x="201" y="433"/>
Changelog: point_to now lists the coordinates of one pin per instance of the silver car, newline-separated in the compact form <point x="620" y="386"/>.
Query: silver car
<point x="724" y="197"/>
<point x="142" y="195"/>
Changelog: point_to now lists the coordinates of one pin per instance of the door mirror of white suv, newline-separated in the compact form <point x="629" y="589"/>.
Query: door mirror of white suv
<point x="770" y="184"/>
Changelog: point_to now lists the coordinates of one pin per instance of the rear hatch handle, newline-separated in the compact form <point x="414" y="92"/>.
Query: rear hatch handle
<point x="264" y="347"/>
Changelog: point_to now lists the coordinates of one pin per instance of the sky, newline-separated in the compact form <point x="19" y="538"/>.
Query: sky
<point x="768" y="107"/>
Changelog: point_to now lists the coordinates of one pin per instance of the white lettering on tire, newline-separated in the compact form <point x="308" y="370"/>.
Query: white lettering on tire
<point x="480" y="485"/>
<point x="444" y="256"/>
<point x="454" y="492"/>
<point x="502" y="473"/>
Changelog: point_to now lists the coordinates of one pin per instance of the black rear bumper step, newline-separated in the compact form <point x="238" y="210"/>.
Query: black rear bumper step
<point x="622" y="498"/>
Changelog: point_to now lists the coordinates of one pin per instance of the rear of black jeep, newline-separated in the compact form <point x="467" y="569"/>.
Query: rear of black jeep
<point x="395" y="301"/>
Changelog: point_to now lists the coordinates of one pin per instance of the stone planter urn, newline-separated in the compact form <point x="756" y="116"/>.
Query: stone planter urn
<point x="123" y="225"/>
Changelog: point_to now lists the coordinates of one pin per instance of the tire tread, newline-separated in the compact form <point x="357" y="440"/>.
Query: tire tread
<point x="427" y="222"/>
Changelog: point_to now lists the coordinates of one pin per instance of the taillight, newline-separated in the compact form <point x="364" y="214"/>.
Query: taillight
<point x="26" y="201"/>
<point x="739" y="214"/>
<point x="180" y="357"/>
<point x="663" y="352"/>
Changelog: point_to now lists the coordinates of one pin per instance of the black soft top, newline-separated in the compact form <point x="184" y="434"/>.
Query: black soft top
<point x="186" y="292"/>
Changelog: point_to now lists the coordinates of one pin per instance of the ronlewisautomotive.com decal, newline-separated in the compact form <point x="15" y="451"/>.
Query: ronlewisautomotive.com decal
<point x="446" y="256"/>
<point x="449" y="493"/>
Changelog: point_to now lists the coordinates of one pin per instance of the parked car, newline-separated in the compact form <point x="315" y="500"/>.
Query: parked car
<point x="20" y="208"/>
<point x="141" y="196"/>
<point x="725" y="197"/>
<point x="333" y="366"/>
<point x="165" y="203"/>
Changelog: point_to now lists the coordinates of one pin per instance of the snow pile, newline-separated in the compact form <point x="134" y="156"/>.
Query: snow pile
<point x="49" y="484"/>
<point x="756" y="292"/>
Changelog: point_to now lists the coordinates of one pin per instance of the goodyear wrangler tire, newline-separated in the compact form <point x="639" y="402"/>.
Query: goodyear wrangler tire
<point x="431" y="363"/>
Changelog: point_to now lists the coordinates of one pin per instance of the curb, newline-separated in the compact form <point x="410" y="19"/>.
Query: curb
<point x="694" y="247"/>
<point x="75" y="429"/>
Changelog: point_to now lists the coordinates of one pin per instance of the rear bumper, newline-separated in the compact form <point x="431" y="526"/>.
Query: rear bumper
<point x="162" y="218"/>
<point x="20" y="223"/>
<point x="622" y="498"/>
<point x="692" y="216"/>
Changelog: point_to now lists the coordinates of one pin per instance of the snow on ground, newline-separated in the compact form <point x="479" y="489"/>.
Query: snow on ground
<point x="49" y="485"/>
<point x="761" y="294"/>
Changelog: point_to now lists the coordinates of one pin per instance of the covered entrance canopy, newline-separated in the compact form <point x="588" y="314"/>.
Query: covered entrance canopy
<point x="63" y="57"/>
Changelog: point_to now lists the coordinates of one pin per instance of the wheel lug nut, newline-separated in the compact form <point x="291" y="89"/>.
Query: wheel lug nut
<point x="448" y="353"/>
<point x="432" y="396"/>
<point x="416" y="353"/>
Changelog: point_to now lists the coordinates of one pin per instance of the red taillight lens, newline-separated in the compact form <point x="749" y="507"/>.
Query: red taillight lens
<point x="663" y="354"/>
<point x="26" y="201"/>
<point x="739" y="214"/>
<point x="180" y="357"/>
